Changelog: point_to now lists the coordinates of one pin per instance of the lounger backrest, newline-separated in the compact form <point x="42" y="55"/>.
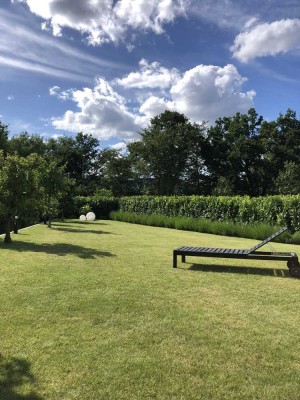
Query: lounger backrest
<point x="268" y="239"/>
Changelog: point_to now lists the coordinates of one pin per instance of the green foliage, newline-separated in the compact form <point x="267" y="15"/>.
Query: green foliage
<point x="85" y="209"/>
<point x="116" y="173"/>
<point x="288" y="180"/>
<point x="19" y="187"/>
<point x="79" y="156"/>
<point x="103" y="193"/>
<point x="165" y="148"/>
<point x="273" y="210"/>
<point x="100" y="205"/>
<point x="235" y="153"/>
<point x="19" y="184"/>
<point x="25" y="144"/>
<point x="3" y="137"/>
<point x="55" y="184"/>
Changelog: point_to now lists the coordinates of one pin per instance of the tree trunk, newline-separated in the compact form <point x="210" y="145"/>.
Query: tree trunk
<point x="49" y="223"/>
<point x="7" y="238"/>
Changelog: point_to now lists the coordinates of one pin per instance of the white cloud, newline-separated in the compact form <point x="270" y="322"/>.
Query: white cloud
<point x="203" y="93"/>
<point x="155" y="105"/>
<point x="207" y="92"/>
<point x="102" y="112"/>
<point x="106" y="20"/>
<point x="121" y="147"/>
<point x="151" y="75"/>
<point x="53" y="91"/>
<point x="267" y="39"/>
<point x="10" y="98"/>
<point x="147" y="14"/>
<point x="61" y="94"/>
<point x="251" y="21"/>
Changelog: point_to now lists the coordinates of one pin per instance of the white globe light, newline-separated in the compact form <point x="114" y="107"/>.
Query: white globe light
<point x="90" y="216"/>
<point x="82" y="218"/>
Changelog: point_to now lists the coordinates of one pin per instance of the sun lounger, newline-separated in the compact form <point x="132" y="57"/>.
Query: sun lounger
<point x="249" y="254"/>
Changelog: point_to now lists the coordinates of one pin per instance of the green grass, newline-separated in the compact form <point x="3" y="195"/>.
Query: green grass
<point x="224" y="228"/>
<point x="95" y="311"/>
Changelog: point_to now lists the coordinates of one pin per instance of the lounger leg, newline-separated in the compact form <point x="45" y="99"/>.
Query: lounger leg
<point x="174" y="259"/>
<point x="183" y="258"/>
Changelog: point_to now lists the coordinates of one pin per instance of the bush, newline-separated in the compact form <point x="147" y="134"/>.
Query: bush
<point x="272" y="210"/>
<point x="100" y="205"/>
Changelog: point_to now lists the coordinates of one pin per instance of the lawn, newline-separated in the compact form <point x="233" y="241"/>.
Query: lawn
<point x="95" y="311"/>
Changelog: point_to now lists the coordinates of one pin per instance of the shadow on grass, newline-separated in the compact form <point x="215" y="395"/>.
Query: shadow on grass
<point x="278" y="272"/>
<point x="14" y="373"/>
<point x="75" y="230"/>
<point x="60" y="249"/>
<point x="85" y="223"/>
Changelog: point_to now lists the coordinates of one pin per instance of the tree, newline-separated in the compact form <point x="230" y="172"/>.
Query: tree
<point x="141" y="176"/>
<point x="288" y="180"/>
<point x="165" y="148"/>
<point x="19" y="188"/>
<point x="281" y="141"/>
<point x="3" y="137"/>
<point x="116" y="173"/>
<point x="224" y="187"/>
<point x="236" y="153"/>
<point x="195" y="179"/>
<point x="79" y="156"/>
<point x="25" y="144"/>
<point x="55" y="184"/>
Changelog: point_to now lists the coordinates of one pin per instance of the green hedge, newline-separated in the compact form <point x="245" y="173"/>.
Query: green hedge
<point x="100" y="205"/>
<point x="273" y="210"/>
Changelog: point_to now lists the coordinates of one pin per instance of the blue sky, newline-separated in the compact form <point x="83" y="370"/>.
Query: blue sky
<point x="106" y="67"/>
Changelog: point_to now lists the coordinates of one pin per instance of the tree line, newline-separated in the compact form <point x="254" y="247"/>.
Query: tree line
<point x="239" y="155"/>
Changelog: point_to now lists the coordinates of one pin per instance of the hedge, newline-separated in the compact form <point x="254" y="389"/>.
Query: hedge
<point x="100" y="205"/>
<point x="273" y="210"/>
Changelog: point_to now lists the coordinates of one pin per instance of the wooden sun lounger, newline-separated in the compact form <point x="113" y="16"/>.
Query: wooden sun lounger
<point x="251" y="254"/>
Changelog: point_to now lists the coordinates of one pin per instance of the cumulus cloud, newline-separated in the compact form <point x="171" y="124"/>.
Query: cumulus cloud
<point x="102" y="112"/>
<point x="267" y="39"/>
<point x="203" y="93"/>
<point x="106" y="20"/>
<point x="207" y="92"/>
<point x="155" y="105"/>
<point x="151" y="75"/>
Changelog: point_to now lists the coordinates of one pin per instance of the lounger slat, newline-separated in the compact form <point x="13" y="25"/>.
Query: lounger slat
<point x="265" y="241"/>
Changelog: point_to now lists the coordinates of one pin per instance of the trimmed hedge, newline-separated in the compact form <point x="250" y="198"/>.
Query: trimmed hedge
<point x="100" y="205"/>
<point x="273" y="210"/>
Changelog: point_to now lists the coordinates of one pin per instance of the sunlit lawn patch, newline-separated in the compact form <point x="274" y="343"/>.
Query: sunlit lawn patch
<point x="94" y="310"/>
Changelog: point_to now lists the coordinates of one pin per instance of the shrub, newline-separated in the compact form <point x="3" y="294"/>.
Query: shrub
<point x="100" y="205"/>
<point x="272" y="210"/>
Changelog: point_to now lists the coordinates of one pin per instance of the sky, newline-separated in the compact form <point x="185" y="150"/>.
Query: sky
<point x="106" y="67"/>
